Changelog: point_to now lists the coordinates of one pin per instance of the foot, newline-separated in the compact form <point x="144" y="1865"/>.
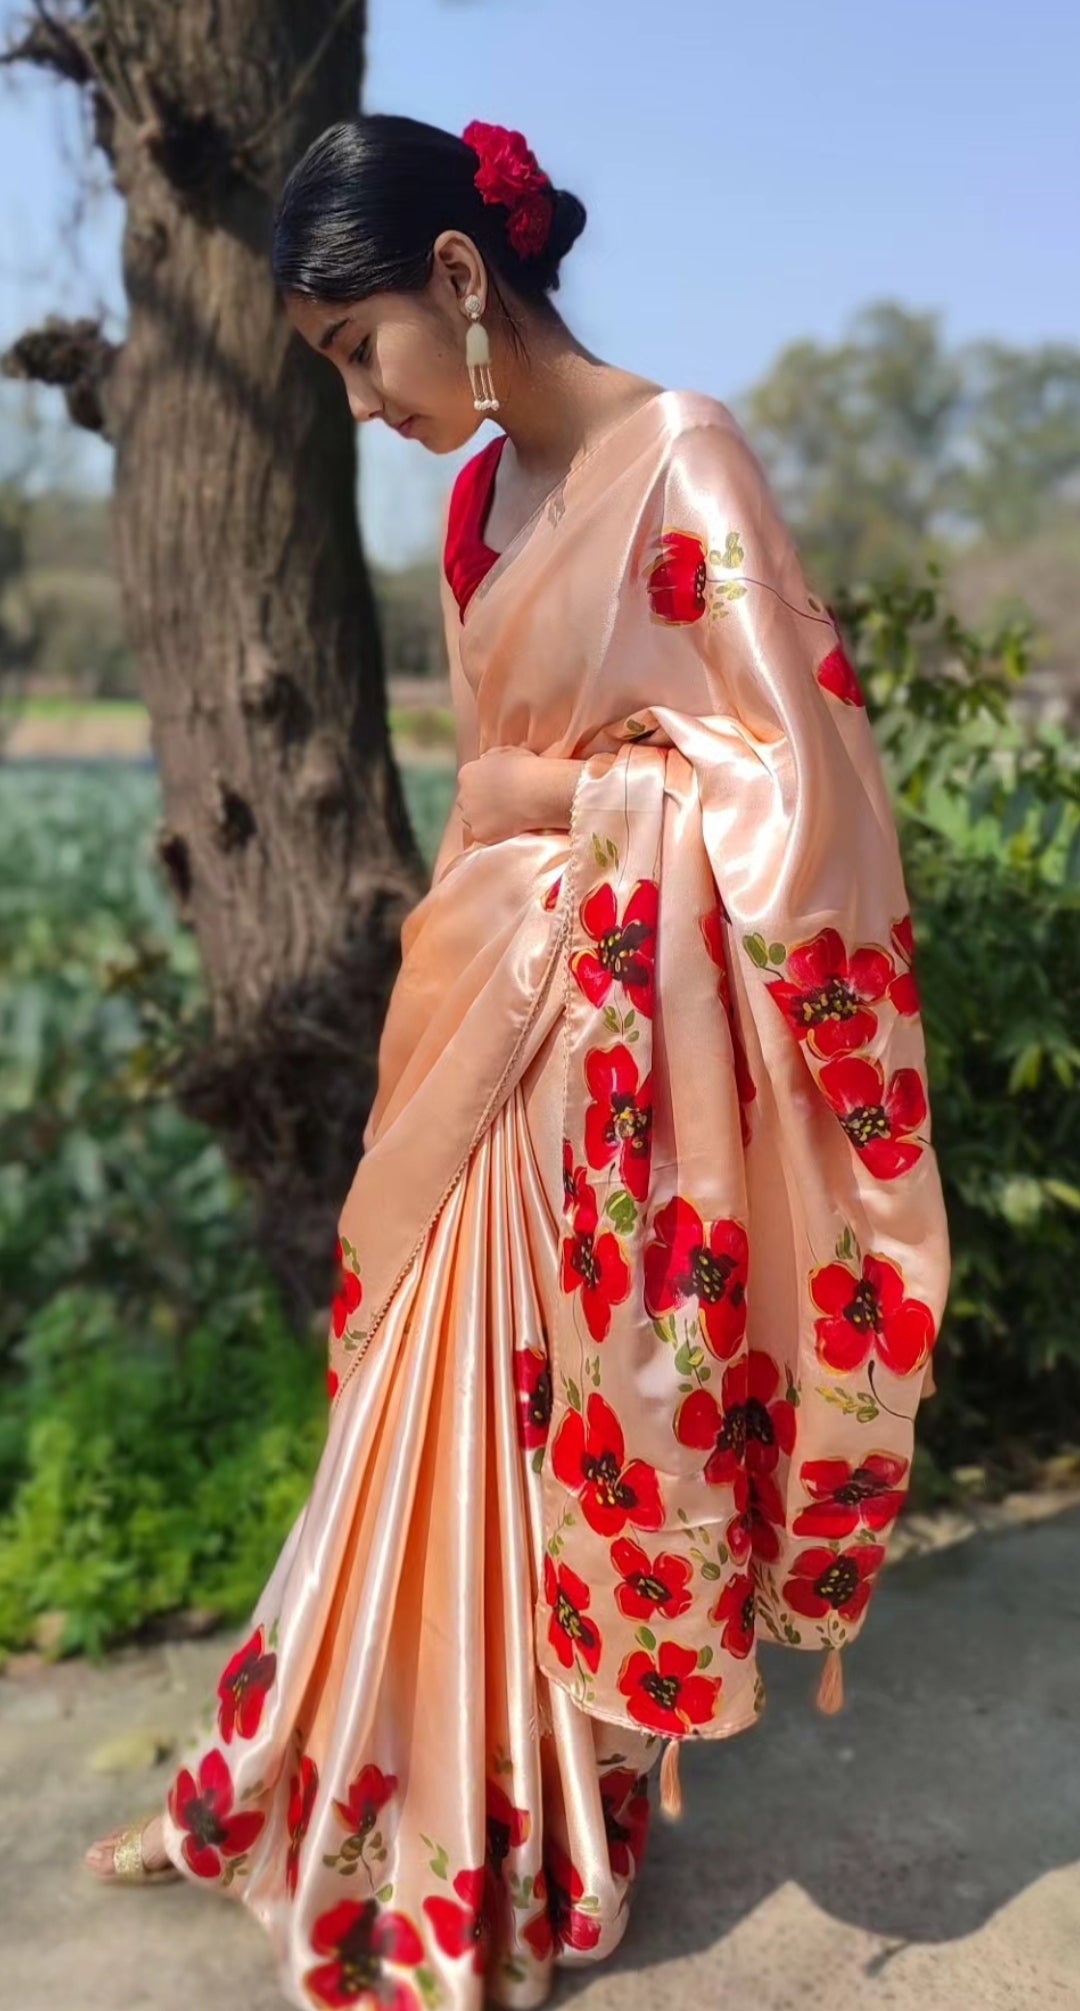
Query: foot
<point x="155" y="1857"/>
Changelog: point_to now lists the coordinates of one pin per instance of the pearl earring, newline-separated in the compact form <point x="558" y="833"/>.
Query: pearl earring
<point x="478" y="358"/>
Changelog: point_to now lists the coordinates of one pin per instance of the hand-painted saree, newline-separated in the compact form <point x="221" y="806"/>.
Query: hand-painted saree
<point x="640" y="1272"/>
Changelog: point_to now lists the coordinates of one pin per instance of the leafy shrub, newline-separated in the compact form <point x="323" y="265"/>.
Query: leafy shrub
<point x="989" y="818"/>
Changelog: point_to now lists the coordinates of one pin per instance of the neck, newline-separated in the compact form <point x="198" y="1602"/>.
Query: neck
<point x="552" y="403"/>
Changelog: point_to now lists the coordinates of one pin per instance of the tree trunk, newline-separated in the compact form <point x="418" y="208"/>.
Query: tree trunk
<point x="285" y="835"/>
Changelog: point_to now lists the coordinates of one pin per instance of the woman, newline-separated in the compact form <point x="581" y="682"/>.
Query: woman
<point x="643" y="1264"/>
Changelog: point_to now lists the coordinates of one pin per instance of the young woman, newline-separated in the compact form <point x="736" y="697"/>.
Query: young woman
<point x="644" y="1260"/>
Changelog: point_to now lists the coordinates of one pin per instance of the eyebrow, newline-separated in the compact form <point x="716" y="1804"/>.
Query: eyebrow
<point x="334" y="328"/>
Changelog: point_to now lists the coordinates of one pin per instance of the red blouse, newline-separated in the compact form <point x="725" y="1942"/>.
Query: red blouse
<point x="466" y="558"/>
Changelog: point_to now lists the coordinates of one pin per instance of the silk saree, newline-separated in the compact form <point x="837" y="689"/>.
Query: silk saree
<point x="640" y="1273"/>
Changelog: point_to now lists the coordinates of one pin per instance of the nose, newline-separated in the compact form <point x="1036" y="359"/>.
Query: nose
<point x="359" y="409"/>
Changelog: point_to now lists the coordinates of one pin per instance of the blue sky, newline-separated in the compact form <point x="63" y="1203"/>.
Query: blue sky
<point x="752" y="176"/>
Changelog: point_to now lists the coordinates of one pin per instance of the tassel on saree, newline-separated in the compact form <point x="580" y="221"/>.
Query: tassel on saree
<point x="830" y="1690"/>
<point x="671" y="1801"/>
<point x="928" y="1383"/>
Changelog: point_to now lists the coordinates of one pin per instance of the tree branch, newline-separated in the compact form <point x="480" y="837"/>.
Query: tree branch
<point x="74" y="356"/>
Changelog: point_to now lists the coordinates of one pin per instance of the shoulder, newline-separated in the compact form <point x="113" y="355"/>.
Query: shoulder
<point x="709" y="469"/>
<point x="701" y="430"/>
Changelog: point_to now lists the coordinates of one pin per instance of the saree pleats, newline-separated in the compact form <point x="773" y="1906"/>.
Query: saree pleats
<point x="384" y="1775"/>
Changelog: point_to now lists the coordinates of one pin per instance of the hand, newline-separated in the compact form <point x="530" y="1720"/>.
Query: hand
<point x="511" y="789"/>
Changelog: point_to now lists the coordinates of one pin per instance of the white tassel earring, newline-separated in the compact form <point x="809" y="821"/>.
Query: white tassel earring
<point x="478" y="358"/>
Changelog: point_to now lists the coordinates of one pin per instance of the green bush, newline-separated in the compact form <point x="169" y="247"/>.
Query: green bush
<point x="157" y="1476"/>
<point x="159" y="1422"/>
<point x="989" y="818"/>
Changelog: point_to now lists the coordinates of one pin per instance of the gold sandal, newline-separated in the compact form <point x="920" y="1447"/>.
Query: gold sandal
<point x="128" y="1867"/>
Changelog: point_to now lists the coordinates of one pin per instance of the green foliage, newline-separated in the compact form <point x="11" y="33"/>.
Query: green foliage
<point x="159" y="1423"/>
<point x="989" y="816"/>
<point x="162" y="1468"/>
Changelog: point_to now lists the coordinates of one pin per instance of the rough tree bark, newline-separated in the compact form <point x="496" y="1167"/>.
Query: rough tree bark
<point x="285" y="836"/>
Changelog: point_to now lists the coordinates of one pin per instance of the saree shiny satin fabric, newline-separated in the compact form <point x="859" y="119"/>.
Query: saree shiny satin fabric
<point x="640" y="1272"/>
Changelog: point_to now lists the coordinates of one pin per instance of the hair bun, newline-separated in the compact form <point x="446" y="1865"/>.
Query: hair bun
<point x="567" y="223"/>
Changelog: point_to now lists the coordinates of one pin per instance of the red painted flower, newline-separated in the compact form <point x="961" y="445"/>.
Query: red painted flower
<point x="348" y="1293"/>
<point x="650" y="1585"/>
<point x="613" y="1490"/>
<point x="203" y="1808"/>
<point x="625" y="1798"/>
<point x="827" y="994"/>
<point x="676" y="577"/>
<point x="624" y="952"/>
<point x="551" y="897"/>
<point x="734" y="1614"/>
<point x="575" y="1179"/>
<point x="833" y="1581"/>
<point x="357" y="1937"/>
<point x="766" y="1516"/>
<point x="242" y="1688"/>
<point x="877" y="1120"/>
<point x="836" y="673"/>
<point x="718" y="1427"/>
<point x="570" y="1630"/>
<point x="368" y="1793"/>
<point x="303" y="1788"/>
<point x="594" y="1265"/>
<point x="463" y="1926"/>
<point x="537" y="1931"/>
<point x="571" y="1925"/>
<point x="332" y="1381"/>
<point x="848" y="1497"/>
<point x="745" y="1086"/>
<point x="508" y="1827"/>
<point x="664" y="1692"/>
<point x="738" y="1531"/>
<point x="618" y="1123"/>
<point x="687" y="1261"/>
<point x="904" y="989"/>
<point x="532" y="1379"/>
<point x="770" y="1419"/>
<point x="869" y="1313"/>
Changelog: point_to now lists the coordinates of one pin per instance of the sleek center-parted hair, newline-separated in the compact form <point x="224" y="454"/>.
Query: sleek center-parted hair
<point x="361" y="209"/>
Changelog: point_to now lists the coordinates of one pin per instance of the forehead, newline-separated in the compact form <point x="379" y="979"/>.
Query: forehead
<point x="326" y="324"/>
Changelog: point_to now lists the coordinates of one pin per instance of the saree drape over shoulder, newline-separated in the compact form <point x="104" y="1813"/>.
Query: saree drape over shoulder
<point x="641" y="1269"/>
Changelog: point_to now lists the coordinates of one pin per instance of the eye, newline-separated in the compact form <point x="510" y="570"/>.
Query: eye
<point x="360" y="350"/>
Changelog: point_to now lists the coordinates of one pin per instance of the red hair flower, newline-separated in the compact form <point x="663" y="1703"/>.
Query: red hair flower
<point x="510" y="173"/>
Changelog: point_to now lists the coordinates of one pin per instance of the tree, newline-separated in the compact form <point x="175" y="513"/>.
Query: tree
<point x="285" y="837"/>
<point x="887" y="448"/>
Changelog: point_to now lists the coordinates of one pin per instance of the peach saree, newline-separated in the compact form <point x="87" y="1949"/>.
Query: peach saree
<point x="640" y="1272"/>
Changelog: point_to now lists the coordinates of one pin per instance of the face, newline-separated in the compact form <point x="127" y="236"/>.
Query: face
<point x="401" y="356"/>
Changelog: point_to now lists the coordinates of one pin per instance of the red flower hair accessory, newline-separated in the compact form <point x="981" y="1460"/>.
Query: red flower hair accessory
<point x="510" y="173"/>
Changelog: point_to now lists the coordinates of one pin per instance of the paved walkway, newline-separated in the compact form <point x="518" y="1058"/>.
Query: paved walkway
<point x="917" y="1852"/>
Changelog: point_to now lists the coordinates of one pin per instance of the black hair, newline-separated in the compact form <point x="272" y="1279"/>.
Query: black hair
<point x="361" y="210"/>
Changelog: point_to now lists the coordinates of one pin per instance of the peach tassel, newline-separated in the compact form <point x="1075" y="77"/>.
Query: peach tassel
<point x="928" y="1383"/>
<point x="671" y="1801"/>
<point x="830" y="1690"/>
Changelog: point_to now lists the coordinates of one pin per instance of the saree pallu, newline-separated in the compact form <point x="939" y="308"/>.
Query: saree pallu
<point x="648" y="1177"/>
